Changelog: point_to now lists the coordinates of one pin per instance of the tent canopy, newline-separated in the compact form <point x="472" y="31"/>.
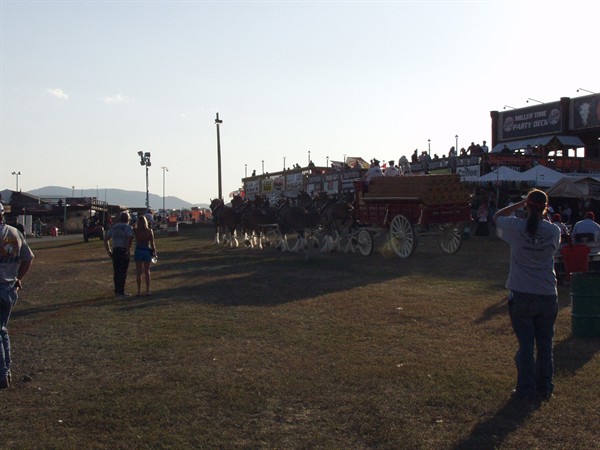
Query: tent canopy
<point x="542" y="176"/>
<point x="502" y="173"/>
<point x="571" y="187"/>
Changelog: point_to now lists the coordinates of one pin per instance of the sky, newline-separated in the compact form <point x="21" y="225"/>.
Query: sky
<point x="85" y="85"/>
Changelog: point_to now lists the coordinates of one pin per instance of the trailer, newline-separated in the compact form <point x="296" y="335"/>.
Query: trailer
<point x="410" y="207"/>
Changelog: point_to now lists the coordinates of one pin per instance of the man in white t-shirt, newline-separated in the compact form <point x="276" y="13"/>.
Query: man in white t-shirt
<point x="391" y="170"/>
<point x="587" y="226"/>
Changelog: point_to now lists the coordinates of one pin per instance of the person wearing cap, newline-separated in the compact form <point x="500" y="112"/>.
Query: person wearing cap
<point x="15" y="261"/>
<point x="586" y="229"/>
<point x="564" y="231"/>
<point x="533" y="298"/>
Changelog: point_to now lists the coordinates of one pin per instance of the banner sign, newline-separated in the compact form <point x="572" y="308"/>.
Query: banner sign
<point x="532" y="121"/>
<point x="278" y="184"/>
<point x="332" y="184"/>
<point x="294" y="182"/>
<point x="469" y="173"/>
<point x="585" y="112"/>
<point x="252" y="187"/>
<point x="267" y="185"/>
<point x="314" y="183"/>
<point x="348" y="179"/>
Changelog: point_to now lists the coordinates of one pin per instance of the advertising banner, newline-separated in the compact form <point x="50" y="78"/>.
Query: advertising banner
<point x="332" y="184"/>
<point x="532" y="121"/>
<point x="469" y="173"/>
<point x="314" y="183"/>
<point x="279" y="184"/>
<point x="267" y="186"/>
<point x="252" y="187"/>
<point x="293" y="182"/>
<point x="348" y="179"/>
<point x="585" y="112"/>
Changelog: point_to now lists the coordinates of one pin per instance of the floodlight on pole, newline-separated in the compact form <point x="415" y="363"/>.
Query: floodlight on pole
<point x="217" y="123"/>
<point x="145" y="161"/>
<point x="164" y="169"/>
<point x="508" y="106"/>
<point x="17" y="175"/>
<point x="585" y="90"/>
<point x="534" y="100"/>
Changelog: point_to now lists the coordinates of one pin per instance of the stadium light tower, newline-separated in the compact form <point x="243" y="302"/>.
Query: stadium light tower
<point x="145" y="161"/>
<point x="217" y="123"/>
<point x="164" y="169"/>
<point x="17" y="175"/>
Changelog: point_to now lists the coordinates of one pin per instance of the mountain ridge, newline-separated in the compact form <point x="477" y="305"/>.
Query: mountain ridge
<point x="131" y="199"/>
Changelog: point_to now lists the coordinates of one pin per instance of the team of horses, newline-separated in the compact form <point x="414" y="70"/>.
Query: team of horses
<point x="318" y="221"/>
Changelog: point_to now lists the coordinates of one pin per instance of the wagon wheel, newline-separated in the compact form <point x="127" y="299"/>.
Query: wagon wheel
<point x="450" y="237"/>
<point x="403" y="237"/>
<point x="364" y="242"/>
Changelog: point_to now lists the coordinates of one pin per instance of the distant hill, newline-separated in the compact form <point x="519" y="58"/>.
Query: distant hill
<point x="131" y="199"/>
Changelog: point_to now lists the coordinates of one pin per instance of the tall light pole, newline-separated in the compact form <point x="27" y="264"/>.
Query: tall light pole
<point x="164" y="169"/>
<point x="17" y="175"/>
<point x="309" y="157"/>
<point x="429" y="146"/>
<point x="263" y="165"/>
<point x="456" y="137"/>
<point x="245" y="170"/>
<point x="217" y="123"/>
<point x="145" y="161"/>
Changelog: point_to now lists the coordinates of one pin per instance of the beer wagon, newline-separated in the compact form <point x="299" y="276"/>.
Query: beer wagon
<point x="407" y="208"/>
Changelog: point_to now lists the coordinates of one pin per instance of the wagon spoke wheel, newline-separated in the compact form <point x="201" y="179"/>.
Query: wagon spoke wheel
<point x="403" y="237"/>
<point x="450" y="237"/>
<point x="364" y="242"/>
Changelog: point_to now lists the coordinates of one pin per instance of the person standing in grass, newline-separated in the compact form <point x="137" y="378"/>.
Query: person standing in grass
<point x="121" y="234"/>
<point x="533" y="299"/>
<point x="15" y="260"/>
<point x="145" y="249"/>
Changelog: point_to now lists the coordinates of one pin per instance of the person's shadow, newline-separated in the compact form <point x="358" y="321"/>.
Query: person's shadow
<point x="492" y="432"/>
<point x="569" y="356"/>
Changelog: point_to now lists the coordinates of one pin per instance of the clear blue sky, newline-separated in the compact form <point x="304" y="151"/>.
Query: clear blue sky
<point x="86" y="85"/>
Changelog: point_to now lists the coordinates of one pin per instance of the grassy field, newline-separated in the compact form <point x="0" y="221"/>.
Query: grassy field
<point x="240" y="348"/>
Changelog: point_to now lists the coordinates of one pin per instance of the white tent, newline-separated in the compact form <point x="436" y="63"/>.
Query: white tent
<point x="566" y="188"/>
<point x="502" y="173"/>
<point x="575" y="187"/>
<point x="542" y="176"/>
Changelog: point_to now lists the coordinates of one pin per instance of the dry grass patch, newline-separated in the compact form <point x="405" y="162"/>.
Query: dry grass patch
<point x="239" y="348"/>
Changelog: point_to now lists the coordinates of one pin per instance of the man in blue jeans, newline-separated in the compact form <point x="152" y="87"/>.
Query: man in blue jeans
<point x="121" y="234"/>
<point x="15" y="260"/>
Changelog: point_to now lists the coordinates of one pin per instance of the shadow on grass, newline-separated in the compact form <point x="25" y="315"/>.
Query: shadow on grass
<point x="569" y="356"/>
<point x="49" y="312"/>
<point x="494" y="431"/>
<point x="573" y="353"/>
